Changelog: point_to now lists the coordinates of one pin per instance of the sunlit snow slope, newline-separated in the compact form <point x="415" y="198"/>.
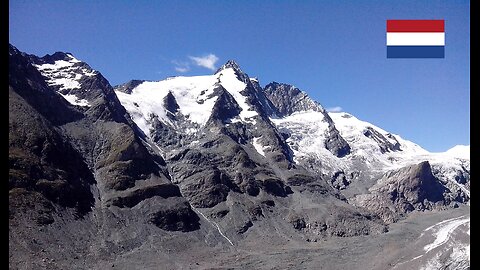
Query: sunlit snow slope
<point x="195" y="97"/>
<point x="372" y="148"/>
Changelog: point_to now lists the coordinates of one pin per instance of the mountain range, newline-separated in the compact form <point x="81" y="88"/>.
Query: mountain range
<point x="202" y="172"/>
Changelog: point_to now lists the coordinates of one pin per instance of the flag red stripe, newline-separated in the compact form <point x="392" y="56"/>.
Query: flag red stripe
<point x="415" y="25"/>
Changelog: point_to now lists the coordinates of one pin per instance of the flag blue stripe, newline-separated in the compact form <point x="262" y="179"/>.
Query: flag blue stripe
<point x="415" y="51"/>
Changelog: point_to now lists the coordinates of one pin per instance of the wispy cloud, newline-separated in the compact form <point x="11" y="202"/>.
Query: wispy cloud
<point x="182" y="69"/>
<point x="207" y="61"/>
<point x="334" y="109"/>
<point x="180" y="66"/>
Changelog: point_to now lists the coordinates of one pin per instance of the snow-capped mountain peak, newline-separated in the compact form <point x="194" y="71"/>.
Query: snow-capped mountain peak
<point x="228" y="78"/>
<point x="195" y="97"/>
<point x="64" y="70"/>
<point x="220" y="157"/>
<point x="459" y="151"/>
<point x="328" y="142"/>
<point x="364" y="134"/>
<point x="65" y="73"/>
<point x="231" y="64"/>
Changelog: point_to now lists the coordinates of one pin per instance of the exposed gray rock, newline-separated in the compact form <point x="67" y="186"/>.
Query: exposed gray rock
<point x="65" y="153"/>
<point x="345" y="224"/>
<point x="128" y="86"/>
<point x="225" y="107"/>
<point x="288" y="99"/>
<point x="170" y="105"/>
<point x="334" y="142"/>
<point x="236" y="68"/>
<point x="135" y="196"/>
<point x="340" y="180"/>
<point x="405" y="190"/>
<point x="384" y="144"/>
<point x="41" y="159"/>
<point x="180" y="217"/>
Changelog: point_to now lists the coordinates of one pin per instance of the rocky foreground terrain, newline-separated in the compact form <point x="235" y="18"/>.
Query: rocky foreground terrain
<point x="216" y="171"/>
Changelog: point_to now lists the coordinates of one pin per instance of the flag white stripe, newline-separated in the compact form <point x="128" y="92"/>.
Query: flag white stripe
<point x="415" y="39"/>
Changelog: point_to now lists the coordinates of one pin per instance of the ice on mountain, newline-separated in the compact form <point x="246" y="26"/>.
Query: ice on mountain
<point x="229" y="81"/>
<point x="194" y="96"/>
<point x="72" y="99"/>
<point x="258" y="146"/>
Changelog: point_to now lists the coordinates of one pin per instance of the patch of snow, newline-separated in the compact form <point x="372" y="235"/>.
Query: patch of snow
<point x="230" y="82"/>
<point x="433" y="264"/>
<point x="65" y="74"/>
<point x="258" y="146"/>
<point x="235" y="120"/>
<point x="65" y="83"/>
<point x="59" y="64"/>
<point x="307" y="130"/>
<point x="444" y="233"/>
<point x="450" y="251"/>
<point x="88" y="73"/>
<point x="458" y="259"/>
<point x="351" y="129"/>
<point x="72" y="99"/>
<point x="190" y="130"/>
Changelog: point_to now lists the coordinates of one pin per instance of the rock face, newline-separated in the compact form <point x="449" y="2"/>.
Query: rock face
<point x="194" y="164"/>
<point x="288" y="99"/>
<point x="402" y="191"/>
<point x="334" y="142"/>
<point x="42" y="162"/>
<point x="128" y="87"/>
<point x="384" y="144"/>
<point x="67" y="154"/>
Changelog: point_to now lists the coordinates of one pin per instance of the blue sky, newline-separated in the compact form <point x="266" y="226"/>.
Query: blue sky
<point x="333" y="50"/>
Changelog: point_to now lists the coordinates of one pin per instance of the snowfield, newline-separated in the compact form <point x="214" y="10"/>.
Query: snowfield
<point x="191" y="95"/>
<point x="459" y="151"/>
<point x="307" y="136"/>
<point x="194" y="96"/>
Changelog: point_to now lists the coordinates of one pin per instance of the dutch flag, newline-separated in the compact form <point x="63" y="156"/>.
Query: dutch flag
<point x="415" y="39"/>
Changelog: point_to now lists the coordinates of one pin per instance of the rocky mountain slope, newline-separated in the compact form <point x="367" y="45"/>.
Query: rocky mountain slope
<point x="147" y="169"/>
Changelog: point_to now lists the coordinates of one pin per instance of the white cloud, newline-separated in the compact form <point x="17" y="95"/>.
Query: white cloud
<point x="181" y="69"/>
<point x="334" y="109"/>
<point x="180" y="66"/>
<point x="207" y="61"/>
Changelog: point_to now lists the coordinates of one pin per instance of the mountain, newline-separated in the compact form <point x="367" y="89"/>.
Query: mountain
<point x="460" y="151"/>
<point x="169" y="172"/>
